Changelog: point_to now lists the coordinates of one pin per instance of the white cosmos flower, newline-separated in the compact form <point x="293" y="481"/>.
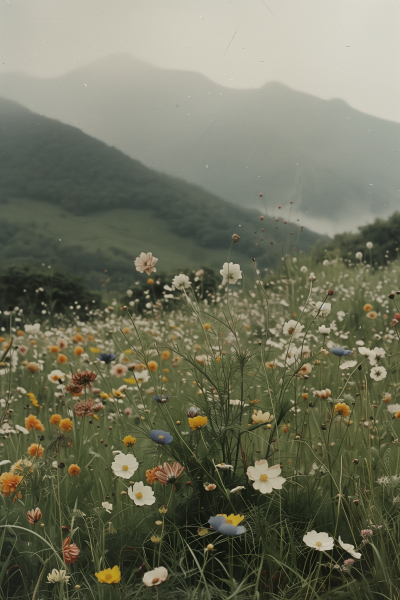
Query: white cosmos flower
<point x="124" y="465"/>
<point x="141" y="494"/>
<point x="231" y="273"/>
<point x="55" y="375"/>
<point x="107" y="506"/>
<point x="32" y="328"/>
<point x="155" y="577"/>
<point x="378" y="373"/>
<point x="22" y="429"/>
<point x="323" y="309"/>
<point x="379" y="354"/>
<point x="292" y="328"/>
<point x="393" y="408"/>
<point x="5" y="462"/>
<point x="349" y="548"/>
<point x="181" y="282"/>
<point x="348" y="364"/>
<point x="265" y="478"/>
<point x="319" y="541"/>
<point x="21" y="390"/>
<point x="324" y="330"/>
<point x="237" y="489"/>
<point x="57" y="576"/>
<point x="260" y="417"/>
<point x="224" y="466"/>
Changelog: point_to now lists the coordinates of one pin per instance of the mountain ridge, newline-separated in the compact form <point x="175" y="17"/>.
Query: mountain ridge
<point x="322" y="155"/>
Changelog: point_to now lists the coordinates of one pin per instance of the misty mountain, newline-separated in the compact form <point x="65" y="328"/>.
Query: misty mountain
<point x="333" y="162"/>
<point x="72" y="200"/>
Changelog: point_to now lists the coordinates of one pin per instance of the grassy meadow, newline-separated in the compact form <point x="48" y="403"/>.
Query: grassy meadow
<point x="245" y="446"/>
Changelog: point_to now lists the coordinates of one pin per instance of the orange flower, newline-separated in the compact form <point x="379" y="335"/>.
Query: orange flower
<point x="33" y="367"/>
<point x="20" y="332"/>
<point x="90" y="337"/>
<point x="150" y="281"/>
<point x="32" y="422"/>
<point x="74" y="470"/>
<point x="78" y="338"/>
<point x="55" y="419"/>
<point x="61" y="359"/>
<point x="66" y="425"/>
<point x="342" y="409"/>
<point x="207" y="326"/>
<point x="35" y="450"/>
<point x="54" y="349"/>
<point x="78" y="350"/>
<point x="151" y="476"/>
<point x="152" y="365"/>
<point x="9" y="483"/>
<point x="367" y="307"/>
<point x="165" y="354"/>
<point x="397" y="415"/>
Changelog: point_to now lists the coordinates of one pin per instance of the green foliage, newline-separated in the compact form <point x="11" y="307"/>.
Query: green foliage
<point x="58" y="173"/>
<point x="41" y="294"/>
<point x="228" y="358"/>
<point x="383" y="233"/>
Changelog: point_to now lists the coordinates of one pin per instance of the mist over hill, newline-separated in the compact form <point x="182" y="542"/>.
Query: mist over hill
<point x="71" y="200"/>
<point x="339" y="166"/>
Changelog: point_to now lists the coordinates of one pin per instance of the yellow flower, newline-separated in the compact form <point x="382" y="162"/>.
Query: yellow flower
<point x="109" y="575"/>
<point x="78" y="350"/>
<point x="33" y="399"/>
<point x="233" y="519"/>
<point x="95" y="350"/>
<point x="152" y="365"/>
<point x="165" y="354"/>
<point x="342" y="409"/>
<point x="129" y="441"/>
<point x="74" y="470"/>
<point x="207" y="326"/>
<point x="55" y="419"/>
<point x="197" y="422"/>
<point x="65" y="425"/>
<point x="130" y="380"/>
<point x="367" y="307"/>
<point x="35" y="450"/>
<point x="150" y="281"/>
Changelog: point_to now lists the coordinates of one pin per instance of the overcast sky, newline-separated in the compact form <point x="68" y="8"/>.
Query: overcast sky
<point x="346" y="49"/>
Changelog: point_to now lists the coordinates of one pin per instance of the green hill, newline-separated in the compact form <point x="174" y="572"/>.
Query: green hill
<point x="71" y="201"/>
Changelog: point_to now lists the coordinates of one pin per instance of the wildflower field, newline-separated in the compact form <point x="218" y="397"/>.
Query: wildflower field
<point x="244" y="446"/>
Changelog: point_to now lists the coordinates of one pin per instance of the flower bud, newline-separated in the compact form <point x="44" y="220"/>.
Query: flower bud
<point x="235" y="237"/>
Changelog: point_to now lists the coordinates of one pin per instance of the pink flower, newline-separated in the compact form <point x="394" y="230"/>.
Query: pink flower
<point x="145" y="263"/>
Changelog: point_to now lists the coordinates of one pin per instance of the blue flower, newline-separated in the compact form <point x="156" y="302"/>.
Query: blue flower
<point x="220" y="525"/>
<point x="161" y="437"/>
<point x="340" y="351"/>
<point x="162" y="399"/>
<point x="107" y="358"/>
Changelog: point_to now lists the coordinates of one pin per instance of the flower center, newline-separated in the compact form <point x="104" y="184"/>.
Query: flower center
<point x="108" y="577"/>
<point x="264" y="477"/>
<point x="229" y="521"/>
<point x="155" y="580"/>
<point x="319" y="544"/>
<point x="290" y="330"/>
<point x="125" y="467"/>
<point x="160" y="437"/>
<point x="139" y="495"/>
